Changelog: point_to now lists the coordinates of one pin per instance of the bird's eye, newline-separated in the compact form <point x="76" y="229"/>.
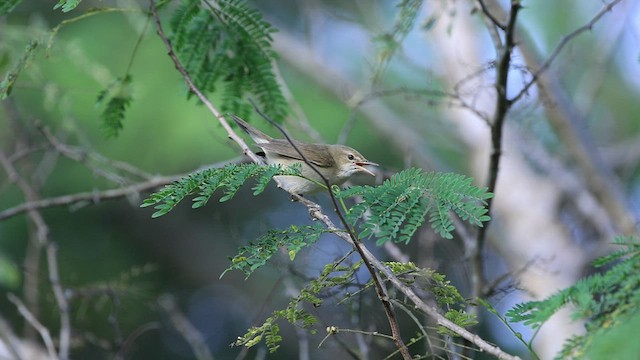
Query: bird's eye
<point x="350" y="157"/>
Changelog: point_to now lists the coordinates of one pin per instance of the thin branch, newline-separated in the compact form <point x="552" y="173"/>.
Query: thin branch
<point x="42" y="330"/>
<point x="489" y="14"/>
<point x="192" y="87"/>
<point x="84" y="156"/>
<point x="95" y="197"/>
<point x="502" y="107"/>
<point x="10" y="340"/>
<point x="43" y="240"/>
<point x="563" y="42"/>
<point x="120" y="355"/>
<point x="188" y="331"/>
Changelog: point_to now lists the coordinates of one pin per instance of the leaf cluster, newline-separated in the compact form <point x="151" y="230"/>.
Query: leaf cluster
<point x="229" y="178"/>
<point x="256" y="254"/>
<point x="447" y="296"/>
<point x="333" y="275"/>
<point x="116" y="97"/>
<point x="67" y="5"/>
<point x="394" y="210"/>
<point x="606" y="300"/>
<point x="226" y="43"/>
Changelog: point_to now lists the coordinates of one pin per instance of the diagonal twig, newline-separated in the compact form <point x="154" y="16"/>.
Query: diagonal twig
<point x="41" y="329"/>
<point x="94" y="197"/>
<point x="563" y="42"/>
<point x="51" y="251"/>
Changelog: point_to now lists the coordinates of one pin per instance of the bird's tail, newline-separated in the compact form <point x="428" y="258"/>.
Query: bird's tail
<point x="258" y="136"/>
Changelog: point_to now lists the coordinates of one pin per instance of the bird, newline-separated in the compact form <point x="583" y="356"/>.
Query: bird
<point x="337" y="163"/>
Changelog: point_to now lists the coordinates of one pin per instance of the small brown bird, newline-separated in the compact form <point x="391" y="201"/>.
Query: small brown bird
<point x="337" y="163"/>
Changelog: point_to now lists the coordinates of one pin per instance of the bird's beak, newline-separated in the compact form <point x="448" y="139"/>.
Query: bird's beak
<point x="362" y="164"/>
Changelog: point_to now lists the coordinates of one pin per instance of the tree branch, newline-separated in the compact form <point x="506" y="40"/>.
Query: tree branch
<point x="563" y="42"/>
<point x="43" y="239"/>
<point x="502" y="108"/>
<point x="95" y="197"/>
<point x="42" y="330"/>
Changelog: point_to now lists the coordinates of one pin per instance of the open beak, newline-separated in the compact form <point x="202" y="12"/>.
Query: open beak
<point x="362" y="164"/>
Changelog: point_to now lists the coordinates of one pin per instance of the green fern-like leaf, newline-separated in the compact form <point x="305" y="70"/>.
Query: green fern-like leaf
<point x="256" y="254"/>
<point x="394" y="210"/>
<point x="460" y="318"/>
<point x="333" y="275"/>
<point x="229" y="178"/>
<point x="226" y="46"/>
<point x="67" y="5"/>
<point x="446" y="295"/>
<point x="117" y="98"/>
<point x="606" y="300"/>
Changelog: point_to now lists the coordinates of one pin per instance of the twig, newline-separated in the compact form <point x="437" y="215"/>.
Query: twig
<point x="192" y="87"/>
<point x="43" y="239"/>
<point x="188" y="331"/>
<point x="502" y="107"/>
<point x="120" y="355"/>
<point x="10" y="340"/>
<point x="42" y="330"/>
<point x="563" y="42"/>
<point x="84" y="156"/>
<point x="95" y="197"/>
<point x="489" y="14"/>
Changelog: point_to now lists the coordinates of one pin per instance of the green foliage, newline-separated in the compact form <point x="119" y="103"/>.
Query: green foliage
<point x="503" y="319"/>
<point x="117" y="97"/>
<point x="333" y="275"/>
<point x="394" y="210"/>
<point x="229" y="178"/>
<point x="228" y="43"/>
<point x="446" y="295"/>
<point x="7" y="6"/>
<point x="256" y="254"/>
<point x="67" y="5"/>
<point x="6" y="85"/>
<point x="608" y="300"/>
<point x="460" y="318"/>
<point x="428" y="279"/>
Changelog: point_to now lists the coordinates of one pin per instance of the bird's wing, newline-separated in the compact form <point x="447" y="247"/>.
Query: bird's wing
<point x="319" y="155"/>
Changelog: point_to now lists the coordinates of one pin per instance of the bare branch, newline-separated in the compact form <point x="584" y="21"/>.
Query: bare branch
<point x="489" y="14"/>
<point x="42" y="330"/>
<point x="188" y="331"/>
<point x="95" y="197"/>
<point x="43" y="239"/>
<point x="563" y="42"/>
<point x="500" y="114"/>
<point x="88" y="157"/>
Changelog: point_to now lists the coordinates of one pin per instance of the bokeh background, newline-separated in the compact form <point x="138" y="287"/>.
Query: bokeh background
<point x="122" y="265"/>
